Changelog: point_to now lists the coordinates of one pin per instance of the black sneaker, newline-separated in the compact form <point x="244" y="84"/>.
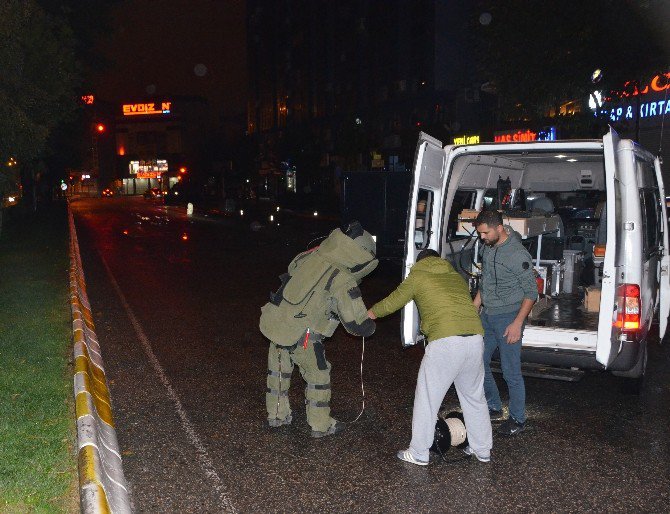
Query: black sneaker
<point x="495" y="414"/>
<point x="511" y="427"/>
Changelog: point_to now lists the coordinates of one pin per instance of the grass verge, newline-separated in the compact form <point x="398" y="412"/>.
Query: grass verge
<point x="38" y="470"/>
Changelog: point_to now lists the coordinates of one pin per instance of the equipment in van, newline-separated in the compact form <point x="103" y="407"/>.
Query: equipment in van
<point x="608" y="225"/>
<point x="504" y="190"/>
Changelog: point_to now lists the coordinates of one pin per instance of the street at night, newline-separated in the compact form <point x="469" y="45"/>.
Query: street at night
<point x="453" y="218"/>
<point x="176" y="301"/>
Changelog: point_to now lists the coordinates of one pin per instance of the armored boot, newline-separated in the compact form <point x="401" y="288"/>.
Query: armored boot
<point x="280" y="369"/>
<point x="315" y="370"/>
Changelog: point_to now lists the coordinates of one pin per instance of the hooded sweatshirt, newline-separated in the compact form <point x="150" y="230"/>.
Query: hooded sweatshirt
<point x="507" y="277"/>
<point x="442" y="297"/>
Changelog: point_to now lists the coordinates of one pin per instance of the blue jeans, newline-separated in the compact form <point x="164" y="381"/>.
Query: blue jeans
<point x="510" y="361"/>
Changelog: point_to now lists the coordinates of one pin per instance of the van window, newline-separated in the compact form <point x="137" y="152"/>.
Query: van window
<point x="462" y="200"/>
<point x="651" y="220"/>
<point x="422" y="229"/>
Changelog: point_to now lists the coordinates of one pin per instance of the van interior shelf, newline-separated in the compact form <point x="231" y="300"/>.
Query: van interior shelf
<point x="526" y="225"/>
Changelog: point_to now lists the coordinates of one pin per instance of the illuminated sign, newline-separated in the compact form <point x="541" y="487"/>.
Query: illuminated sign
<point x="466" y="140"/>
<point x="88" y="99"/>
<point x="654" y="106"/>
<point x="658" y="84"/>
<point x="628" y="112"/>
<point x="152" y="166"/>
<point x="146" y="109"/>
<point x="510" y="136"/>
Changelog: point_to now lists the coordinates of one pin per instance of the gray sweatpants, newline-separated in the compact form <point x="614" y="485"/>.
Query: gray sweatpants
<point x="456" y="360"/>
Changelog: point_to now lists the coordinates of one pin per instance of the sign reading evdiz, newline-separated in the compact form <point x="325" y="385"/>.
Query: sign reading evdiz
<point x="147" y="108"/>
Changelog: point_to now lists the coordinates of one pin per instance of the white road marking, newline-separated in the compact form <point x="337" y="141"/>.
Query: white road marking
<point x="205" y="461"/>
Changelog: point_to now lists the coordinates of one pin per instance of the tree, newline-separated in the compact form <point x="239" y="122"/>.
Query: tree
<point x="37" y="83"/>
<point x="541" y="53"/>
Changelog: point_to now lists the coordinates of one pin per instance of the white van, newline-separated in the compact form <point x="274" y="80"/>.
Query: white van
<point x="593" y="216"/>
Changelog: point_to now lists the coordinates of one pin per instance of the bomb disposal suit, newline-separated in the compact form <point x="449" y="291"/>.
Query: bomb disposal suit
<point x="319" y="291"/>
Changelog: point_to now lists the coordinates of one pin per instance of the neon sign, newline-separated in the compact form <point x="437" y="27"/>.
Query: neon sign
<point x="657" y="84"/>
<point x="152" y="166"/>
<point x="146" y="109"/>
<point x="647" y="110"/>
<point x="510" y="136"/>
<point x="467" y="140"/>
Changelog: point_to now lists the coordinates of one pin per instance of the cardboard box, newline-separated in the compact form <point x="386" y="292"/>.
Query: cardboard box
<point x="539" y="307"/>
<point x="592" y="299"/>
<point x="468" y="214"/>
<point x="533" y="225"/>
<point x="465" y="222"/>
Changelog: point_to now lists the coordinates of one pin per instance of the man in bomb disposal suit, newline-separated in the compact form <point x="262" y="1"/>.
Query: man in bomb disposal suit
<point x="319" y="291"/>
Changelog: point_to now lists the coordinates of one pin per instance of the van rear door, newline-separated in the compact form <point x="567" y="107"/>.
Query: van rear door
<point x="423" y="220"/>
<point x="664" y="275"/>
<point x="608" y="345"/>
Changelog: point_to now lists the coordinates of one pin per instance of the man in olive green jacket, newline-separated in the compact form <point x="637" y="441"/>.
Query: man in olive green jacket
<point x="454" y="354"/>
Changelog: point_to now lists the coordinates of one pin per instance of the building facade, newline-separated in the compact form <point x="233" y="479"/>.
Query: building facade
<point x="348" y="85"/>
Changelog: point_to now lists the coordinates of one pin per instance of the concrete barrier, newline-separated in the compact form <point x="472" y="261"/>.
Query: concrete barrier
<point x="102" y="486"/>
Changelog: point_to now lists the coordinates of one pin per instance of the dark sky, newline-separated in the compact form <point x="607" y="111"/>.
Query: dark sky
<point x="160" y="43"/>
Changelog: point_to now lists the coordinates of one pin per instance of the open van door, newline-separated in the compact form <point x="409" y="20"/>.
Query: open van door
<point x="664" y="275"/>
<point x="424" y="215"/>
<point x="608" y="345"/>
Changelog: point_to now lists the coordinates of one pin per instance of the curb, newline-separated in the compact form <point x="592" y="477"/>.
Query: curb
<point x="102" y="485"/>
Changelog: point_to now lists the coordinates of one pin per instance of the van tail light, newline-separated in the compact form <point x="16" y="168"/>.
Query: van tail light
<point x="628" y="307"/>
<point x="599" y="250"/>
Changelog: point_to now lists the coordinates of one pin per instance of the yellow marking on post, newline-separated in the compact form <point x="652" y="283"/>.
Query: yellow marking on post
<point x="78" y="334"/>
<point x="95" y="372"/>
<point x="89" y="475"/>
<point x="81" y="405"/>
<point x="103" y="409"/>
<point x="87" y="468"/>
<point x="100" y="399"/>
<point x="94" y="377"/>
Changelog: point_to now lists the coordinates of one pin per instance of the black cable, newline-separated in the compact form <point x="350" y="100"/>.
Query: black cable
<point x="309" y="245"/>
<point x="472" y="238"/>
<point x="454" y="460"/>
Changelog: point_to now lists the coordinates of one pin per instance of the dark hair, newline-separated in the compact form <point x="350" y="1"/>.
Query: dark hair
<point x="491" y="218"/>
<point x="426" y="253"/>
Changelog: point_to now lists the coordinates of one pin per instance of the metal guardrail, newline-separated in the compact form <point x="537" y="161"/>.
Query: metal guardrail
<point x="102" y="485"/>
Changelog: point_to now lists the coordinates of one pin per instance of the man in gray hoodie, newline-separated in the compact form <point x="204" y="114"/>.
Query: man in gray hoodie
<point x="506" y="295"/>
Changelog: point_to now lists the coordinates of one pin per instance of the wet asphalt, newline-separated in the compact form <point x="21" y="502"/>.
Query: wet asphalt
<point x="176" y="302"/>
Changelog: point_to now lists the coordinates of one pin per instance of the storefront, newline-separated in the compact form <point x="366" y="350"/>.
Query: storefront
<point x="149" y="150"/>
